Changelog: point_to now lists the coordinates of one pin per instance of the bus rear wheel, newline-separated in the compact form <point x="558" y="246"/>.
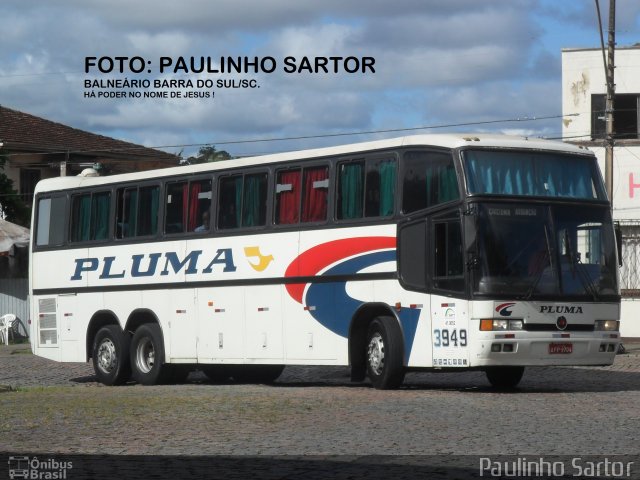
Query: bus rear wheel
<point x="110" y="355"/>
<point x="504" y="378"/>
<point x="147" y="355"/>
<point x="384" y="354"/>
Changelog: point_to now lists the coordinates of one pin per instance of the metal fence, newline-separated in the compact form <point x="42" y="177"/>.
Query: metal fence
<point x="630" y="269"/>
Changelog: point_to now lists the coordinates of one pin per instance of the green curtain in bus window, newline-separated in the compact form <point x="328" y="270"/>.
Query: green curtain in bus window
<point x="351" y="190"/>
<point x="387" y="187"/>
<point x="100" y="215"/>
<point x="81" y="218"/>
<point x="254" y="202"/>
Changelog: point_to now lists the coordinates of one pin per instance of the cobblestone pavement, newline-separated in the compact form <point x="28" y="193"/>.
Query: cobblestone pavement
<point x="59" y="408"/>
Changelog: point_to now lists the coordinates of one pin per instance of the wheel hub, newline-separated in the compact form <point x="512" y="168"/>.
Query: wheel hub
<point x="145" y="355"/>
<point x="376" y="353"/>
<point x="107" y="356"/>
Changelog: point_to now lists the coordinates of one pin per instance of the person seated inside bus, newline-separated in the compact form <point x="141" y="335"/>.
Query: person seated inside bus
<point x="205" y="223"/>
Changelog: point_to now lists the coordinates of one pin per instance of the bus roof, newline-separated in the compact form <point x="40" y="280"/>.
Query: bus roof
<point x="448" y="140"/>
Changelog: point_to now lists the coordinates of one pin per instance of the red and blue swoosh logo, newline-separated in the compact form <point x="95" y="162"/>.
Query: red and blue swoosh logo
<point x="504" y="309"/>
<point x="343" y="258"/>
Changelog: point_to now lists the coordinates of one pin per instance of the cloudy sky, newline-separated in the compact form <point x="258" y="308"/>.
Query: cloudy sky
<point x="437" y="62"/>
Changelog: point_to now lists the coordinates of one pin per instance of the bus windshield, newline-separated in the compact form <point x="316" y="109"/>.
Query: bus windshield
<point x="530" y="252"/>
<point x="532" y="173"/>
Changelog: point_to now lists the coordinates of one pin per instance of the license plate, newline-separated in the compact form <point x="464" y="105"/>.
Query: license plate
<point x="560" y="348"/>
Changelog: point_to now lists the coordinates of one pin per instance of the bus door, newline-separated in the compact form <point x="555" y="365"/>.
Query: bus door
<point x="449" y="312"/>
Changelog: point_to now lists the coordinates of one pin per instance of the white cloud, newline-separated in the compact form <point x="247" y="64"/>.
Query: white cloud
<point x="436" y="62"/>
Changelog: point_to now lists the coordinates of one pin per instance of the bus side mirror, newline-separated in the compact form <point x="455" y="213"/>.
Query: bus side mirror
<point x="618" y="232"/>
<point x="412" y="255"/>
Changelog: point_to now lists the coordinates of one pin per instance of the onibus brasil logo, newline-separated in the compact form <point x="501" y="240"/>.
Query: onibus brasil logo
<point x="38" y="469"/>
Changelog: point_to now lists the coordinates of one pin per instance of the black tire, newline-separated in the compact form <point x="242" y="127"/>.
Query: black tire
<point x="110" y="355"/>
<point x="256" y="373"/>
<point x="147" y="356"/>
<point x="504" y="378"/>
<point x="383" y="352"/>
<point x="216" y="373"/>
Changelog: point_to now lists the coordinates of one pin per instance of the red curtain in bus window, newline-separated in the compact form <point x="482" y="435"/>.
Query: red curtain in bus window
<point x="194" y="221"/>
<point x="289" y="197"/>
<point x="316" y="188"/>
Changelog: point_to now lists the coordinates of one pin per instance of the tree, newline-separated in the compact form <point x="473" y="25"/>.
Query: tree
<point x="12" y="207"/>
<point x="209" y="154"/>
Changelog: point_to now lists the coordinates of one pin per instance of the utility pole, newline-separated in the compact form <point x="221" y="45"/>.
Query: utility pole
<point x="611" y="90"/>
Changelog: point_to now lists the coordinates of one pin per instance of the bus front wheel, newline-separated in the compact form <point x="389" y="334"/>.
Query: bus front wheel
<point x="110" y="355"/>
<point x="147" y="355"/>
<point x="384" y="353"/>
<point x="504" y="377"/>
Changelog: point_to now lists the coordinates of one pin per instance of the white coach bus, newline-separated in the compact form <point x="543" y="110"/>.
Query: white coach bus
<point x="422" y="252"/>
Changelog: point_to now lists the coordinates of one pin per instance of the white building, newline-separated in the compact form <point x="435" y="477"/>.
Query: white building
<point x="583" y="104"/>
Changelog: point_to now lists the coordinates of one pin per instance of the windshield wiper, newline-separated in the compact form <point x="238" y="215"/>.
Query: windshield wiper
<point x="540" y="262"/>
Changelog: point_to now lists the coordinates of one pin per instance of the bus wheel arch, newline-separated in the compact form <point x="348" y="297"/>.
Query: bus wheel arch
<point x="359" y="339"/>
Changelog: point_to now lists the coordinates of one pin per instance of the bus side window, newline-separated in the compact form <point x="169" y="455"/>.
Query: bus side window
<point x="185" y="206"/>
<point x="90" y="216"/>
<point x="176" y="201"/>
<point x="447" y="255"/>
<point x="367" y="192"/>
<point x="429" y="179"/>
<point x="230" y="202"/>
<point x="288" y="197"/>
<point x="243" y="201"/>
<point x="198" y="211"/>
<point x="316" y="192"/>
<point x="301" y="196"/>
<point x="137" y="211"/>
<point x="50" y="225"/>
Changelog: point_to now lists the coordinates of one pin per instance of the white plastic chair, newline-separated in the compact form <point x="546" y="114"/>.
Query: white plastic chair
<point x="6" y="321"/>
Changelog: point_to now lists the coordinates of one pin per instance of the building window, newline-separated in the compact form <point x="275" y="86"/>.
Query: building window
<point x="625" y="116"/>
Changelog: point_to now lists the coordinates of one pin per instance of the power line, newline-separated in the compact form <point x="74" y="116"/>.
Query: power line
<point x="302" y="137"/>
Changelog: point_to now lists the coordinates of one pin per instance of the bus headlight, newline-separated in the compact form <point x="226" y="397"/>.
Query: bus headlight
<point x="492" y="324"/>
<point x="607" y="325"/>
